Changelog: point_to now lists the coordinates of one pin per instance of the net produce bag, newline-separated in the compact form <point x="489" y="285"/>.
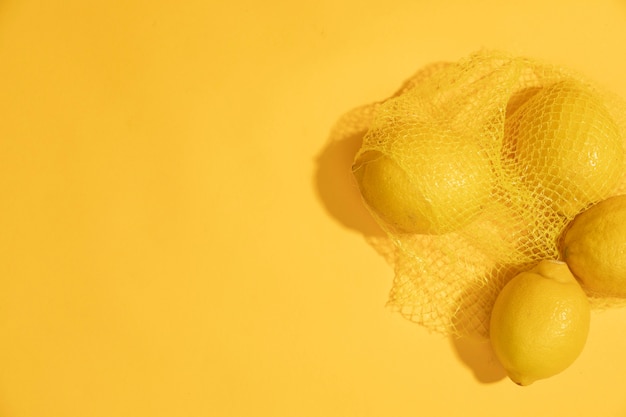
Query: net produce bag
<point x="475" y="168"/>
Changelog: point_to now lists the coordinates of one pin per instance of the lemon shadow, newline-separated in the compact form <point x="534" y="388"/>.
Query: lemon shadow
<point x="335" y="185"/>
<point x="473" y="347"/>
<point x="475" y="352"/>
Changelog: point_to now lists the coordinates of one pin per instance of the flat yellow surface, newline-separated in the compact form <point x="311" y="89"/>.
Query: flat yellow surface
<point x="180" y="237"/>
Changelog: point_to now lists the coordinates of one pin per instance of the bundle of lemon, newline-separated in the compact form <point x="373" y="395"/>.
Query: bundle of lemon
<point x="479" y="170"/>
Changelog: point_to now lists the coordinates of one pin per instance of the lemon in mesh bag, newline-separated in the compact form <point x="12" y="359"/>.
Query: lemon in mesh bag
<point x="594" y="247"/>
<point x="568" y="146"/>
<point x="475" y="171"/>
<point x="420" y="188"/>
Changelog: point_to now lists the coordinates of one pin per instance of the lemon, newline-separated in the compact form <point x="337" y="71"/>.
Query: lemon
<point x="539" y="322"/>
<point x="568" y="146"/>
<point x="425" y="185"/>
<point x="594" y="247"/>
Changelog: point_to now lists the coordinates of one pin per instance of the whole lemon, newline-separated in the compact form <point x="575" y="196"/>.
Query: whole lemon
<point x="567" y="146"/>
<point x="425" y="184"/>
<point x="594" y="247"/>
<point x="539" y="322"/>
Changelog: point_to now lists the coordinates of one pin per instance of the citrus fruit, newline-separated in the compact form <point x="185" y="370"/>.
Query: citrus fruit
<point x="425" y="185"/>
<point x="539" y="322"/>
<point x="594" y="247"/>
<point x="568" y="146"/>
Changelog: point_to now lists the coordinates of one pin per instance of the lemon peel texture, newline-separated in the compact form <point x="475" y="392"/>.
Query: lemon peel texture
<point x="539" y="323"/>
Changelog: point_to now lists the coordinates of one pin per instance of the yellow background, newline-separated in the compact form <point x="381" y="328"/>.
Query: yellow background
<point x="179" y="233"/>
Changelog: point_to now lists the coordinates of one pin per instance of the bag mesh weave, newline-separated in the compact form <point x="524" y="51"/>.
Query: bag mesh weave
<point x="448" y="282"/>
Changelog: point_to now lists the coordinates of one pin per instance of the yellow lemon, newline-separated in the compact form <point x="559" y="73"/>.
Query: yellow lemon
<point x="568" y="146"/>
<point x="425" y="185"/>
<point x="539" y="322"/>
<point x="594" y="247"/>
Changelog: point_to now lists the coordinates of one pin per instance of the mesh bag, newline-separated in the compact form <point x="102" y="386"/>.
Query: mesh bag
<point x="503" y="151"/>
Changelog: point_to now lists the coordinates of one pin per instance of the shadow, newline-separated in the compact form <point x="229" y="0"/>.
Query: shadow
<point x="335" y="185"/>
<point x="472" y="323"/>
<point x="476" y="353"/>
